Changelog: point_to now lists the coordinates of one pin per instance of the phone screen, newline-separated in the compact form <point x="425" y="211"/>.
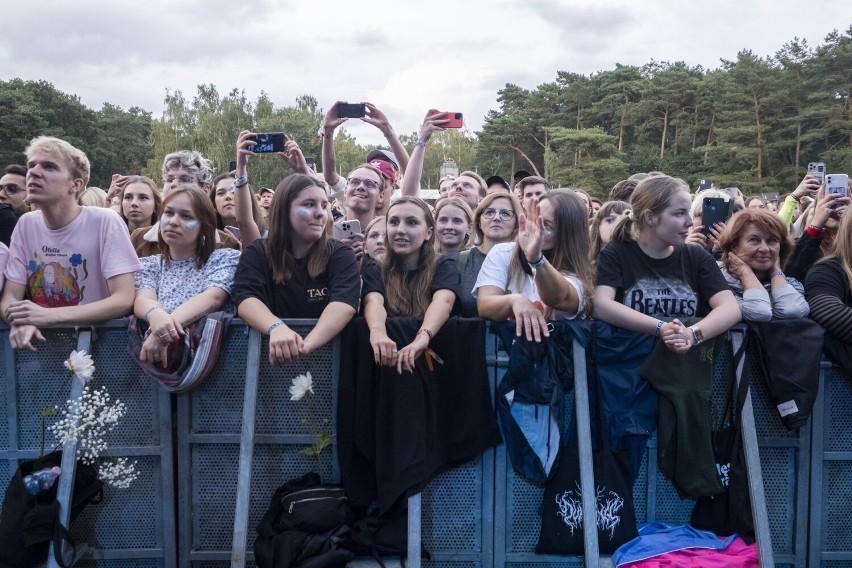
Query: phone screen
<point x="354" y="110"/>
<point x="268" y="143"/>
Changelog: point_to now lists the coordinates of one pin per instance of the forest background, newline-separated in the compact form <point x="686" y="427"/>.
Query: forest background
<point x="754" y="123"/>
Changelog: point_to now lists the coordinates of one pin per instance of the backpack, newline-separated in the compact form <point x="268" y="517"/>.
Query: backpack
<point x="29" y="523"/>
<point x="305" y="526"/>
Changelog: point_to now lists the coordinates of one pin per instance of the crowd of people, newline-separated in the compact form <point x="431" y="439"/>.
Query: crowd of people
<point x="323" y="246"/>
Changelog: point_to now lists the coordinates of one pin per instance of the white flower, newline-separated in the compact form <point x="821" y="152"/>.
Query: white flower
<point x="80" y="363"/>
<point x="302" y="385"/>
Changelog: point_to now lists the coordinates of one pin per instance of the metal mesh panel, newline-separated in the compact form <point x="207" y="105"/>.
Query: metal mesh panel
<point x="569" y="562"/>
<point x="640" y="490"/>
<point x="523" y="507"/>
<point x="838" y="401"/>
<point x="452" y="510"/>
<point x="214" y="487"/>
<point x="127" y="518"/>
<point x="447" y="564"/>
<point x="276" y="413"/>
<point x="123" y="563"/>
<point x="837" y="520"/>
<point x="778" y="466"/>
<point x="43" y="382"/>
<point x="4" y="402"/>
<point x="217" y="405"/>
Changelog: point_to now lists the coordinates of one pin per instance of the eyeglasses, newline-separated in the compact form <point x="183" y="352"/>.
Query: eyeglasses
<point x="368" y="183"/>
<point x="505" y="214"/>
<point x="11" y="188"/>
<point x="181" y="179"/>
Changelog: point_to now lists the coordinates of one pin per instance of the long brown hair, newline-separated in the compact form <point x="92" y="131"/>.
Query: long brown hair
<point x="279" y="243"/>
<point x="206" y="216"/>
<point x="608" y="208"/>
<point x="843" y="246"/>
<point x="410" y="298"/>
<point x="570" y="253"/>
<point x="155" y="195"/>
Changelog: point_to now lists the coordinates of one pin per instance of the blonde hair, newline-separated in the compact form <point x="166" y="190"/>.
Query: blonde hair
<point x="842" y="249"/>
<point x="455" y="201"/>
<point x="478" y="235"/>
<point x="92" y="197"/>
<point x="75" y="159"/>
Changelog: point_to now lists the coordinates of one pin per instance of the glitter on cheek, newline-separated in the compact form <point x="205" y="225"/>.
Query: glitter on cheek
<point x="191" y="225"/>
<point x="303" y="212"/>
<point x="548" y="234"/>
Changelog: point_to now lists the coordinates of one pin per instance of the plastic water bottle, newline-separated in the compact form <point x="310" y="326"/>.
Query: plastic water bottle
<point x="42" y="480"/>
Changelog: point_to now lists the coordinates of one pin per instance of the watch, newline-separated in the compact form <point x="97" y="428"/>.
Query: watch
<point x="697" y="335"/>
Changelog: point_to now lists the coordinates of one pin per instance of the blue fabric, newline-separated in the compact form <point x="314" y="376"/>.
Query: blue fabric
<point x="657" y="538"/>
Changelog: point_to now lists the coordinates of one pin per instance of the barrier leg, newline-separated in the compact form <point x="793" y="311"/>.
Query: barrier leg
<point x="69" y="463"/>
<point x="241" y="513"/>
<point x="584" y="443"/>
<point x="755" y="475"/>
<point x="414" y="536"/>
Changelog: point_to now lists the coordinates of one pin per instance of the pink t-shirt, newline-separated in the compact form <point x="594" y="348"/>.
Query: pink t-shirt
<point x="71" y="265"/>
<point x="4" y="258"/>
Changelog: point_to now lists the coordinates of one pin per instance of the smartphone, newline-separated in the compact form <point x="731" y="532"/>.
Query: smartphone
<point x="456" y="119"/>
<point x="347" y="229"/>
<point x="705" y="184"/>
<point x="232" y="165"/>
<point x="354" y="110"/>
<point x="836" y="183"/>
<point x="817" y="170"/>
<point x="773" y="196"/>
<point x="714" y="210"/>
<point x="312" y="163"/>
<point x="267" y="143"/>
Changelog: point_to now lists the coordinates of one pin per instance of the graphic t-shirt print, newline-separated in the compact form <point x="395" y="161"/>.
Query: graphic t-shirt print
<point x="54" y="278"/>
<point x="662" y="298"/>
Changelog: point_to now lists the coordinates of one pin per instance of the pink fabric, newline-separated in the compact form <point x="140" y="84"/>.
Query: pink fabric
<point x="71" y="265"/>
<point x="737" y="555"/>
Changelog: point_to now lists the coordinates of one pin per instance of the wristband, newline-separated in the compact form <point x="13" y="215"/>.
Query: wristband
<point x="659" y="328"/>
<point x="538" y="263"/>
<point x="420" y="143"/>
<point x="269" y="329"/>
<point x="426" y="331"/>
<point x="815" y="232"/>
<point x="151" y="309"/>
<point x="778" y="273"/>
<point x="240" y="181"/>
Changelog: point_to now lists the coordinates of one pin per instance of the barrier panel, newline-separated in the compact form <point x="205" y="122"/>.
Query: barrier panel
<point x="131" y="527"/>
<point x="478" y="515"/>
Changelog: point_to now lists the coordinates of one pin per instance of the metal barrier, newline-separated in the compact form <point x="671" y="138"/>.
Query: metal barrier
<point x="476" y="516"/>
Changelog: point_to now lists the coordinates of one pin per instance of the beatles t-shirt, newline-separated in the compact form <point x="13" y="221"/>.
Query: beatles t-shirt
<point x="677" y="286"/>
<point x="301" y="296"/>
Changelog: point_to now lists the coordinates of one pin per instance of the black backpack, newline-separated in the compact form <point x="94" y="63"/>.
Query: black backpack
<point x="305" y="526"/>
<point x="29" y="523"/>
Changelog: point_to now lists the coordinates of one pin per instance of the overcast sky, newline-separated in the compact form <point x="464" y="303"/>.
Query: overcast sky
<point x="403" y="56"/>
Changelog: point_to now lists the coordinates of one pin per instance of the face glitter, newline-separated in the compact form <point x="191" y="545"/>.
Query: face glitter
<point x="303" y="212"/>
<point x="191" y="225"/>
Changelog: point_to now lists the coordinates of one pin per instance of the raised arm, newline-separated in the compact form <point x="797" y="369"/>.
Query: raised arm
<point x="249" y="231"/>
<point x="411" y="181"/>
<point x="329" y="124"/>
<point x="378" y="119"/>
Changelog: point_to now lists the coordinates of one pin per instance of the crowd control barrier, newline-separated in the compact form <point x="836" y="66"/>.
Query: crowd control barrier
<point x="183" y="509"/>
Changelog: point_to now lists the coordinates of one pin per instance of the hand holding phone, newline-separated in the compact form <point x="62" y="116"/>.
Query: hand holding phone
<point x="347" y="229"/>
<point x="837" y="183"/>
<point x="817" y="171"/>
<point x="714" y="210"/>
<point x="454" y="119"/>
<point x="354" y="110"/>
<point x="268" y="143"/>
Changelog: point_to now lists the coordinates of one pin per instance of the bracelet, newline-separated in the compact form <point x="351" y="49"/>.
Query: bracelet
<point x="151" y="309"/>
<point x="420" y="143"/>
<point x="817" y="229"/>
<point x="659" y="328"/>
<point x="269" y="329"/>
<point x="538" y="263"/>
<point x="777" y="273"/>
<point x="426" y="331"/>
<point x="240" y="181"/>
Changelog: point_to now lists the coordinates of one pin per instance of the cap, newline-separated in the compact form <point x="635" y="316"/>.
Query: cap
<point x="521" y="174"/>
<point x="385" y="167"/>
<point x="497" y="180"/>
<point x="264" y="190"/>
<point x="383" y="155"/>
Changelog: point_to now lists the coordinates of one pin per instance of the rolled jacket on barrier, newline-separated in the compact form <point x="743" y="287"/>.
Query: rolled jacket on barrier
<point x="396" y="432"/>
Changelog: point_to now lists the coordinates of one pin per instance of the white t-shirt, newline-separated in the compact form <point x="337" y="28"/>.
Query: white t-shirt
<point x="71" y="265"/>
<point x="495" y="272"/>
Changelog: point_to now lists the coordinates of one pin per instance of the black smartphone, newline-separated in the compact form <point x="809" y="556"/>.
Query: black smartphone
<point x="232" y="165"/>
<point x="714" y="210"/>
<point x="267" y="143"/>
<point x="705" y="184"/>
<point x="354" y="110"/>
<point x="312" y="163"/>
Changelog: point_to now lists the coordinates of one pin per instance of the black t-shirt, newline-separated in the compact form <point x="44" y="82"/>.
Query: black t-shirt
<point x="301" y="296"/>
<point x="445" y="277"/>
<point x="677" y="286"/>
